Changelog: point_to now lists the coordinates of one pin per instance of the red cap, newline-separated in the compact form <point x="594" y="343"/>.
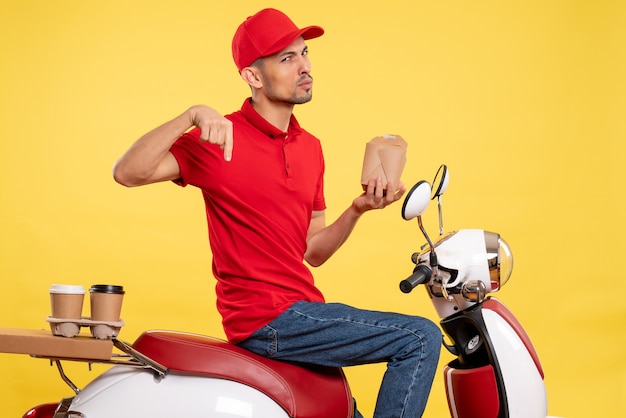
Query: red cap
<point x="266" y="33"/>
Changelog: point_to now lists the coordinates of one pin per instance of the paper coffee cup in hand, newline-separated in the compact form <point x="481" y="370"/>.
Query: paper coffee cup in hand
<point x="385" y="157"/>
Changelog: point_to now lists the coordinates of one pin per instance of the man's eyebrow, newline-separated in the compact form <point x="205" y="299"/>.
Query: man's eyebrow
<point x="294" y="52"/>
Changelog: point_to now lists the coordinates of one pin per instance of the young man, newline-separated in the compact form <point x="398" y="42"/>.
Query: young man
<point x="261" y="176"/>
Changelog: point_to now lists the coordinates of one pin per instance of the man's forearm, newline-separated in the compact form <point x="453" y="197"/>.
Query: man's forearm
<point x="323" y="244"/>
<point x="325" y="241"/>
<point x="140" y="164"/>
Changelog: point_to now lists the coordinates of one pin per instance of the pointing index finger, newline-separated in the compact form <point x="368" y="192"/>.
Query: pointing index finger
<point x="228" y="142"/>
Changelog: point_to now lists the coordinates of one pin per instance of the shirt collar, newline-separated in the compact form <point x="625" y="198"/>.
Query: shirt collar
<point x="264" y="126"/>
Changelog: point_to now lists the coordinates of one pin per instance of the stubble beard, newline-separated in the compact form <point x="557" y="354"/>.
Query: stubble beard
<point x="294" y="98"/>
<point x="301" y="99"/>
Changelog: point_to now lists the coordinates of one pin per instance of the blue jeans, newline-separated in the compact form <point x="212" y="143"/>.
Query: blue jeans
<point x="337" y="335"/>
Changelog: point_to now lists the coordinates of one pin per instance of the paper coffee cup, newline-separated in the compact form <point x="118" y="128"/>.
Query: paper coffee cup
<point x="106" y="302"/>
<point x="66" y="301"/>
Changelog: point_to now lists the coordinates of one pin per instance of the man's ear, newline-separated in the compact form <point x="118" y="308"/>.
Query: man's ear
<point x="252" y="76"/>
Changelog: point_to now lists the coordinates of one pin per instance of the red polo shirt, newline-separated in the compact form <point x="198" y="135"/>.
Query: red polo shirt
<point x="258" y="208"/>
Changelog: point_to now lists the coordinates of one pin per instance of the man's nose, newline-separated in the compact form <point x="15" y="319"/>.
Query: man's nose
<point x="305" y="64"/>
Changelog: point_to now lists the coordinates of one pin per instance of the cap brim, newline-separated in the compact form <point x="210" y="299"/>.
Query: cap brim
<point x="310" y="32"/>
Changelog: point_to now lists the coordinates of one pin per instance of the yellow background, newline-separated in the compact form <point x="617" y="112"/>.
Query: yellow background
<point x="524" y="100"/>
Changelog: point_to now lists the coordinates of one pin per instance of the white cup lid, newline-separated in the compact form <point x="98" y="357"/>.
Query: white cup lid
<point x="67" y="289"/>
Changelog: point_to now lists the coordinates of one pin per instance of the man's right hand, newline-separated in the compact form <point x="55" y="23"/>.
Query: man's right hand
<point x="214" y="128"/>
